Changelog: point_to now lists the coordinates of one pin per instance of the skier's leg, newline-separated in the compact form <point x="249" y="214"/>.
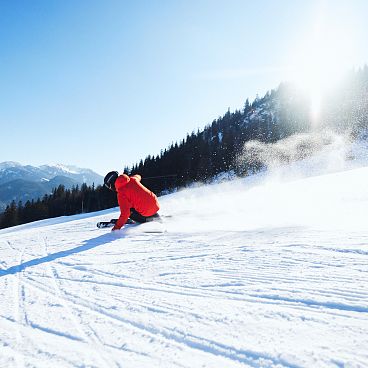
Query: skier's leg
<point x="136" y="216"/>
<point x="154" y="217"/>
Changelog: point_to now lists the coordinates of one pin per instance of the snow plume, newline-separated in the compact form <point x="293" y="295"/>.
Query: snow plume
<point x="299" y="155"/>
<point x="303" y="185"/>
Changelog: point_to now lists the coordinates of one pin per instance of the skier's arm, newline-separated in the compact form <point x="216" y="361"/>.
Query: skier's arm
<point x="124" y="215"/>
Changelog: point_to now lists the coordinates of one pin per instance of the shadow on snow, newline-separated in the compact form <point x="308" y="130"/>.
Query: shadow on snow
<point x="87" y="245"/>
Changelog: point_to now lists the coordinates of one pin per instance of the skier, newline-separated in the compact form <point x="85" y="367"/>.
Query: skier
<point x="135" y="201"/>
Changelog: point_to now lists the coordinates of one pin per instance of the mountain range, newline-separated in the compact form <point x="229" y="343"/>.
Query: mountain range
<point x="25" y="182"/>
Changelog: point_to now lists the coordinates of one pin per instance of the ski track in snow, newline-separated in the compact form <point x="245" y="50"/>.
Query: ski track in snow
<point x="242" y="296"/>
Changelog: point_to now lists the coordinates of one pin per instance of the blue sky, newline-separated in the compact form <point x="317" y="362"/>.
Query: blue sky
<point x="102" y="84"/>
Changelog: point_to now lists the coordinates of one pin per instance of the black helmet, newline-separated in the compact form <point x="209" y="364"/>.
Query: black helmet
<point x="110" y="178"/>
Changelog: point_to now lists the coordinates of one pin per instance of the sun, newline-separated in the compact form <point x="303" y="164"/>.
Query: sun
<point x="321" y="59"/>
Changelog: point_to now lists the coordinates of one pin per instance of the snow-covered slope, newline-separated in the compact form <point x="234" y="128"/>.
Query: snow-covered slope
<point x="260" y="272"/>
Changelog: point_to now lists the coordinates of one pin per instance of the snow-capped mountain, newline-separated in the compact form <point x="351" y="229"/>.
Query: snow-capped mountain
<point x="24" y="182"/>
<point x="13" y="170"/>
<point x="9" y="164"/>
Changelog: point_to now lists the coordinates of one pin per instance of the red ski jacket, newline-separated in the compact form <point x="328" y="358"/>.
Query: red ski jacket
<point x="132" y="194"/>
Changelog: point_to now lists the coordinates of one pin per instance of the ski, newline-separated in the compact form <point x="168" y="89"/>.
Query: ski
<point x="112" y="222"/>
<point x="103" y="224"/>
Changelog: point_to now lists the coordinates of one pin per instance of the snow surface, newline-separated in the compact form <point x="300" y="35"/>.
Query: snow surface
<point x="267" y="271"/>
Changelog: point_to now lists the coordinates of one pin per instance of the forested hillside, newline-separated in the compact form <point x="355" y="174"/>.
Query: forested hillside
<point x="279" y="114"/>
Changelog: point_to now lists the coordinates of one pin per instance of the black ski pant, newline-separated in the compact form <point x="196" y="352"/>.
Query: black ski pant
<point x="137" y="217"/>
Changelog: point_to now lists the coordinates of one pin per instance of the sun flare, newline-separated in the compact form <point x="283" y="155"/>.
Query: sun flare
<point x="321" y="59"/>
